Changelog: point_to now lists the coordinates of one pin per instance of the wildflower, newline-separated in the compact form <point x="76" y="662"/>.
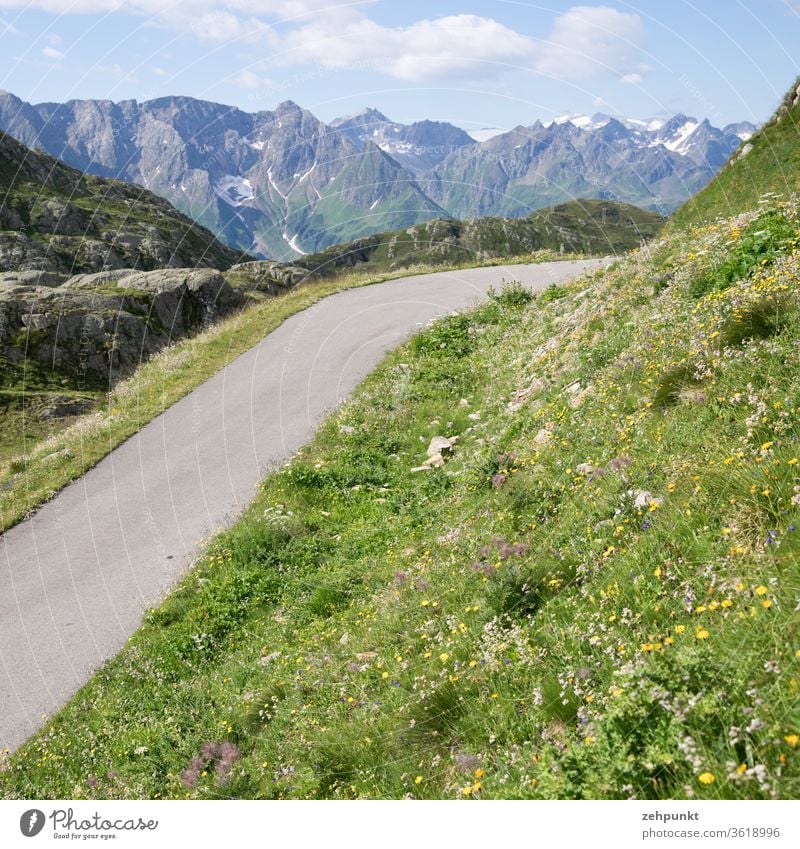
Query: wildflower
<point x="767" y="603"/>
<point x="479" y="773"/>
<point x="701" y="634"/>
<point x="418" y="780"/>
<point x="761" y="590"/>
<point x="792" y="740"/>
<point x="466" y="791"/>
<point x="706" y="778"/>
<point x="679" y="629"/>
<point x="444" y="656"/>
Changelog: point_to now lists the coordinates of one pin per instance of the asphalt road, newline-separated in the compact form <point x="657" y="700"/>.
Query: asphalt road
<point x="76" y="578"/>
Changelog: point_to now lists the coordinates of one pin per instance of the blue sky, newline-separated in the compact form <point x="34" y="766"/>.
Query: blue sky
<point x="496" y="63"/>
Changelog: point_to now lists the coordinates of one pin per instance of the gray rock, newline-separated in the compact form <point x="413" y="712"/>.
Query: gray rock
<point x="439" y="445"/>
<point x="103" y="335"/>
<point x="62" y="406"/>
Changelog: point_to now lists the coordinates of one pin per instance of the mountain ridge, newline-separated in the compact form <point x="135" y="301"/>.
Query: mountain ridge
<point x="281" y="183"/>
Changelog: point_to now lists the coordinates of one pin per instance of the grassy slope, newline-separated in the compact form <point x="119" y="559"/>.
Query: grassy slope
<point x="773" y="166"/>
<point x="587" y="227"/>
<point x="112" y="211"/>
<point x="512" y="624"/>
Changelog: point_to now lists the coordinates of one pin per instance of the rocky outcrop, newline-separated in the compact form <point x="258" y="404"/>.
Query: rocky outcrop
<point x="96" y="328"/>
<point x="269" y="277"/>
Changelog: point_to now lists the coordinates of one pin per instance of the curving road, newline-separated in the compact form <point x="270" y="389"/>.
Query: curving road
<point x="77" y="576"/>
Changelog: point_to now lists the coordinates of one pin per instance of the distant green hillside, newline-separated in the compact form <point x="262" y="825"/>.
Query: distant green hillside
<point x="583" y="226"/>
<point x="769" y="162"/>
<point x="56" y="219"/>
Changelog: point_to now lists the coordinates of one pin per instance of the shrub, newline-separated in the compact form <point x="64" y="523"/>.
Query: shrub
<point x="513" y="295"/>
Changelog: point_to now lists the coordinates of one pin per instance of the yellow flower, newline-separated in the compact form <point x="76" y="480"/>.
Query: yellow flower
<point x="706" y="778"/>
<point x="443" y="656"/>
<point x="479" y="773"/>
<point x="384" y="675"/>
<point x="466" y="791"/>
<point x="726" y="603"/>
<point x="668" y="641"/>
<point x="679" y="629"/>
<point x="792" y="462"/>
<point x="761" y="590"/>
<point x="792" y="740"/>
<point x="767" y="603"/>
<point x="741" y="769"/>
<point x="476" y="787"/>
<point x="418" y="780"/>
<point x="647" y="647"/>
<point x="701" y="634"/>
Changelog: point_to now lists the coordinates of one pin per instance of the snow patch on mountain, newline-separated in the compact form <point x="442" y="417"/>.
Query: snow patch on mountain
<point x="292" y="242"/>
<point x="234" y="190"/>
<point x="485" y="133"/>
<point x="679" y="142"/>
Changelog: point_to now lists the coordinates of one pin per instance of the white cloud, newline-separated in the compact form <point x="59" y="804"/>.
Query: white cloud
<point x="457" y="45"/>
<point x="591" y="41"/>
<point x="585" y="41"/>
<point x="52" y="53"/>
<point x="6" y="27"/>
<point x="631" y="79"/>
<point x="254" y="82"/>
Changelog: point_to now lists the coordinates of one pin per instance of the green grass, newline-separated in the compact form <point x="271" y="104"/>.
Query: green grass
<point x="595" y="597"/>
<point x="771" y="170"/>
<point x="586" y="227"/>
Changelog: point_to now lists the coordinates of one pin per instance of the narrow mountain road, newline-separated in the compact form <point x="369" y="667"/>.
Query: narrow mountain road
<point x="76" y="578"/>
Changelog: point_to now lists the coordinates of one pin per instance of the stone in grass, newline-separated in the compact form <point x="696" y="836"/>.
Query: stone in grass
<point x="63" y="454"/>
<point x="642" y="498"/>
<point x="440" y="445"/>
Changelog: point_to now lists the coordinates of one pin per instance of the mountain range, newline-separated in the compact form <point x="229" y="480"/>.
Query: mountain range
<point x="282" y="183"/>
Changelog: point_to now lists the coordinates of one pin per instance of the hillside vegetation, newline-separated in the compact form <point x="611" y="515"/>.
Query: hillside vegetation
<point x="579" y="227"/>
<point x="766" y="167"/>
<point x="592" y="591"/>
<point x="56" y="219"/>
